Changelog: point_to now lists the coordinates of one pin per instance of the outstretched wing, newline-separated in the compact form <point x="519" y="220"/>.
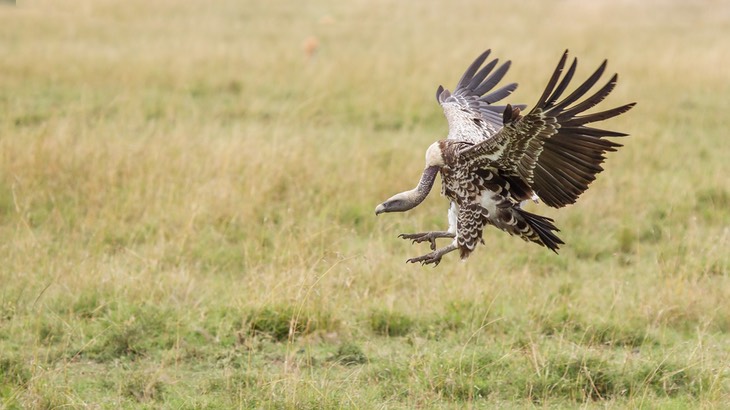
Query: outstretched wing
<point x="551" y="148"/>
<point x="469" y="110"/>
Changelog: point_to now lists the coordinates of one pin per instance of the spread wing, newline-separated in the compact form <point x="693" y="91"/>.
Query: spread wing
<point x="469" y="110"/>
<point x="551" y="148"/>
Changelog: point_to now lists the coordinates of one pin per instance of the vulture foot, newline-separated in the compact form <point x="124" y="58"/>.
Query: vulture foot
<point x="427" y="237"/>
<point x="435" y="256"/>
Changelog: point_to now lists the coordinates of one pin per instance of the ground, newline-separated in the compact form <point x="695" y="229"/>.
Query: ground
<point x="187" y="194"/>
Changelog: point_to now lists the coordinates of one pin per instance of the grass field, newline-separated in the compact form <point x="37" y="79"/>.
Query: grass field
<point x="187" y="194"/>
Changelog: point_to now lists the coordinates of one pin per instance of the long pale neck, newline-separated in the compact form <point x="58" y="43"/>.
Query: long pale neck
<point x="420" y="192"/>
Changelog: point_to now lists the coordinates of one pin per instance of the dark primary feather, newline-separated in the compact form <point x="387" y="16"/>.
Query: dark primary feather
<point x="473" y="67"/>
<point x="563" y="84"/>
<point x="554" y="79"/>
<point x="551" y="148"/>
<point x="477" y="81"/>
<point x="483" y="85"/>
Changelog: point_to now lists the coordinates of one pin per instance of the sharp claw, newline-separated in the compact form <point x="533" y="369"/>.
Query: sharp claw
<point x="433" y="257"/>
<point x="415" y="238"/>
<point x="425" y="260"/>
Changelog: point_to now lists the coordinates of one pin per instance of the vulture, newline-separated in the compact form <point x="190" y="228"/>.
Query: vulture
<point x="495" y="158"/>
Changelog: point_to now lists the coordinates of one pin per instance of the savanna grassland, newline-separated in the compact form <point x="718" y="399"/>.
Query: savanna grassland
<point x="187" y="194"/>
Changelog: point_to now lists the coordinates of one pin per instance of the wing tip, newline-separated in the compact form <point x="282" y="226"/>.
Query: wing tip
<point x="473" y="67"/>
<point x="438" y="93"/>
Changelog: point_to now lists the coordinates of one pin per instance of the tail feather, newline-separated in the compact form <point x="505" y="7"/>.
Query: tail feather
<point x="540" y="230"/>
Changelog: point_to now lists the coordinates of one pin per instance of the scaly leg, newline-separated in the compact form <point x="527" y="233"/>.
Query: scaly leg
<point x="435" y="256"/>
<point x="427" y="236"/>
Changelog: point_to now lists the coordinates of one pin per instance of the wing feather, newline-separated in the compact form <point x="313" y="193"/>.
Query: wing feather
<point x="553" y="80"/>
<point x="472" y="69"/>
<point x="582" y="89"/>
<point x="499" y="94"/>
<point x="563" y="84"/>
<point x="489" y="83"/>
<point x="481" y="75"/>
<point x="469" y="110"/>
<point x="551" y="148"/>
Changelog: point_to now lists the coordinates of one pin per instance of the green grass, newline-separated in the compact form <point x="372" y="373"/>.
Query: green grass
<point x="186" y="210"/>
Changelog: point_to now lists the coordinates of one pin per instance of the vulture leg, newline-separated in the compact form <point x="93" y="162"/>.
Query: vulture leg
<point x="427" y="236"/>
<point x="435" y="256"/>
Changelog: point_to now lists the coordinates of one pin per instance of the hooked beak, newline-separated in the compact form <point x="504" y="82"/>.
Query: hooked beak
<point x="408" y="200"/>
<point x="379" y="209"/>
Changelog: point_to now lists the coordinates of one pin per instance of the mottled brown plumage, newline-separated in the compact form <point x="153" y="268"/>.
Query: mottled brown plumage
<point x="485" y="195"/>
<point x="495" y="158"/>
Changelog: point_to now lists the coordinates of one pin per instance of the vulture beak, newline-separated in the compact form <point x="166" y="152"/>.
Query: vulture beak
<point x="379" y="209"/>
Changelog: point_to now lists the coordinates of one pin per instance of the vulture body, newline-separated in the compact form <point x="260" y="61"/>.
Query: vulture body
<point x="494" y="158"/>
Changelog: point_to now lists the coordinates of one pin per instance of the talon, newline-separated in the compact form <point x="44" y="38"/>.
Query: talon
<point x="433" y="257"/>
<point x="426" y="236"/>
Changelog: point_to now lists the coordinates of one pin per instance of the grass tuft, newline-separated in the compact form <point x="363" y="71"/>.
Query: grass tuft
<point x="390" y="323"/>
<point x="131" y="332"/>
<point x="13" y="371"/>
<point x="286" y="322"/>
<point x="349" y="353"/>
<point x="578" y="379"/>
<point x="143" y="387"/>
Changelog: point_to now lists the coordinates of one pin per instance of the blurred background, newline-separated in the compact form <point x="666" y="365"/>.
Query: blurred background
<point x="187" y="192"/>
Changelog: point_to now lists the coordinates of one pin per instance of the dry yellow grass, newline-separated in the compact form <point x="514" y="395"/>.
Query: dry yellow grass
<point x="173" y="172"/>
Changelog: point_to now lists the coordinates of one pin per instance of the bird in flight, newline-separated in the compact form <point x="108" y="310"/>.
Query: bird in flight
<point x="495" y="159"/>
